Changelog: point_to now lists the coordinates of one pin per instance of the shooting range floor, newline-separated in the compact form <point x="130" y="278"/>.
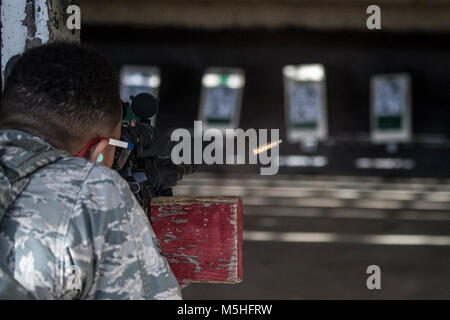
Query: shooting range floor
<point x="309" y="237"/>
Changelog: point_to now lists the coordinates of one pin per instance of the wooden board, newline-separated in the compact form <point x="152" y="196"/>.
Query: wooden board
<point x="200" y="237"/>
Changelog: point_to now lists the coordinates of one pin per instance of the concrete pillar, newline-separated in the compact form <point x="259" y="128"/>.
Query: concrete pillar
<point x="30" y="23"/>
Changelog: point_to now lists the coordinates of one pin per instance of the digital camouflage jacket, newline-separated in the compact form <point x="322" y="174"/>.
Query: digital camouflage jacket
<point x="77" y="232"/>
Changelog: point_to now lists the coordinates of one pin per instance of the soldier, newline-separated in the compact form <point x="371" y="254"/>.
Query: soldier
<point x="71" y="228"/>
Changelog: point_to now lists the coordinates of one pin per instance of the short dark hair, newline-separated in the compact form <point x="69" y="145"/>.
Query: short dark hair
<point x="66" y="91"/>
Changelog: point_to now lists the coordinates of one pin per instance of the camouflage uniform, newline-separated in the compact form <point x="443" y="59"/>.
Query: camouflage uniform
<point x="76" y="231"/>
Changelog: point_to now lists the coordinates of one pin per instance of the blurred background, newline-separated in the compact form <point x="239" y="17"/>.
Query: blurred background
<point x="364" y="118"/>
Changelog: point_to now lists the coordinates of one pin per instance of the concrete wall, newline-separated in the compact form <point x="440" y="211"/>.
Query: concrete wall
<point x="31" y="23"/>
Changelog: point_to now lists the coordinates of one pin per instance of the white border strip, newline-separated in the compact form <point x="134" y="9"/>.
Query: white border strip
<point x="385" y="239"/>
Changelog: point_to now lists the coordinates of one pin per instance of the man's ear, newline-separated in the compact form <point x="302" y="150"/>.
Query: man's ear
<point x="96" y="150"/>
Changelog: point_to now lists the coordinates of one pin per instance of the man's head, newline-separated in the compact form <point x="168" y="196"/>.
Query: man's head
<point x="65" y="94"/>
